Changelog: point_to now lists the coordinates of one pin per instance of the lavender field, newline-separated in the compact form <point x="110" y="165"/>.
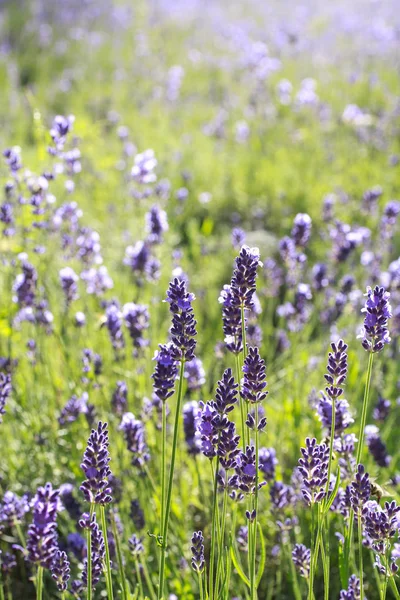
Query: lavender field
<point x="200" y="300"/>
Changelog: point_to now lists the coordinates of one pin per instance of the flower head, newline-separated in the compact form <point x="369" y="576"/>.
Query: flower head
<point x="95" y="466"/>
<point x="42" y="541"/>
<point x="377" y="313"/>
<point x="243" y="282"/>
<point x="183" y="329"/>
<point x="301" y="556"/>
<point x="60" y="570"/>
<point x="197" y="548"/>
<point x="313" y="466"/>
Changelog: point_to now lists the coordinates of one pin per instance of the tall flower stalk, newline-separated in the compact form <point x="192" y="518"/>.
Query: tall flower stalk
<point x="375" y="335"/>
<point x="182" y="347"/>
<point x="97" y="491"/>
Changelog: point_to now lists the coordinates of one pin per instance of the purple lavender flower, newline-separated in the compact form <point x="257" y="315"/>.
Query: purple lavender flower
<point x="135" y="438"/>
<point x="13" y="159"/>
<point x="360" y="490"/>
<point x="42" y="533"/>
<point x="95" y="462"/>
<point x="5" y="392"/>
<point x="13" y="509"/>
<point x="197" y="548"/>
<point x="243" y="282"/>
<point x="313" y="466"/>
<point x="25" y="285"/>
<point x="114" y="326"/>
<point x="301" y="556"/>
<point x="190" y="412"/>
<point x="281" y="495"/>
<point x="227" y="449"/>
<point x="97" y="280"/>
<point x="381" y="524"/>
<point x="75" y="406"/>
<point x="382" y="409"/>
<point x="135" y="544"/>
<point x="246" y="471"/>
<point x="377" y="312"/>
<point x="194" y="374"/>
<point x="60" y="128"/>
<point x="238" y="238"/>
<point x="141" y="261"/>
<point x="119" y="398"/>
<point x="98" y="549"/>
<point x="68" y="280"/>
<point x="165" y="372"/>
<point x="343" y="419"/>
<point x="7" y="217"/>
<point x="77" y="545"/>
<point x="376" y="446"/>
<point x="60" y="570"/>
<point x="232" y="321"/>
<point x="226" y="393"/>
<point x="242" y="538"/>
<point x="137" y="320"/>
<point x="371" y="197"/>
<point x="143" y="169"/>
<point x="320" y="279"/>
<point x="8" y="562"/>
<point x="69" y="501"/>
<point x="353" y="592"/>
<point x="137" y="515"/>
<point x="253" y="383"/>
<point x="268" y="462"/>
<point x="156" y="224"/>
<point x="301" y="230"/>
<point x="183" y="329"/>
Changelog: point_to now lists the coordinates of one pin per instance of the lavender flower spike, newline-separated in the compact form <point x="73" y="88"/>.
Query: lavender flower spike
<point x="98" y="549"/>
<point x="253" y="382"/>
<point x="5" y="391"/>
<point x="313" y="466"/>
<point x="197" y="547"/>
<point x="165" y="372"/>
<point x="42" y="534"/>
<point x="243" y="283"/>
<point x="377" y="313"/>
<point x="95" y="462"/>
<point x="60" y="570"/>
<point x="301" y="558"/>
<point x="183" y="329"/>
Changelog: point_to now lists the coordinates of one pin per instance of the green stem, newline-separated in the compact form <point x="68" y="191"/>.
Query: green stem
<point x="394" y="588"/>
<point x="121" y="569"/>
<point x="222" y="534"/>
<point x="163" y="451"/>
<point x="325" y="568"/>
<point x="349" y="537"/>
<point x="200" y="575"/>
<point x="253" y="590"/>
<point x="364" y="409"/>
<point x="241" y="402"/>
<point x="89" y="557"/>
<point x="39" y="583"/>
<point x="107" y="569"/>
<point x="361" y="569"/>
<point x="213" y="527"/>
<point x="139" y="578"/>
<point x="314" y="554"/>
<point x="170" y="484"/>
<point x="149" y="583"/>
<point x="295" y="581"/>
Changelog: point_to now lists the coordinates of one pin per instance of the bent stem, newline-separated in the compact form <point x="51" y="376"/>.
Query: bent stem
<point x="170" y="484"/>
<point x="107" y="569"/>
<point x="253" y="582"/>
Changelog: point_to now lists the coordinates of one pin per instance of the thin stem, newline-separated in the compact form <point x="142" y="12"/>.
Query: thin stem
<point x="89" y="557"/>
<point x="241" y="402"/>
<point x="394" y="588"/>
<point x="314" y="554"/>
<point x="121" y="569"/>
<point x="163" y="452"/>
<point x="39" y="583"/>
<point x="361" y="569"/>
<point x="149" y="583"/>
<point x="295" y="581"/>
<point x="170" y="484"/>
<point x="253" y="591"/>
<point x="139" y="578"/>
<point x="107" y="569"/>
<point x="213" y="526"/>
<point x="349" y="537"/>
<point x="201" y="585"/>
<point x="364" y="409"/>
<point x="222" y="533"/>
<point x="325" y="568"/>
